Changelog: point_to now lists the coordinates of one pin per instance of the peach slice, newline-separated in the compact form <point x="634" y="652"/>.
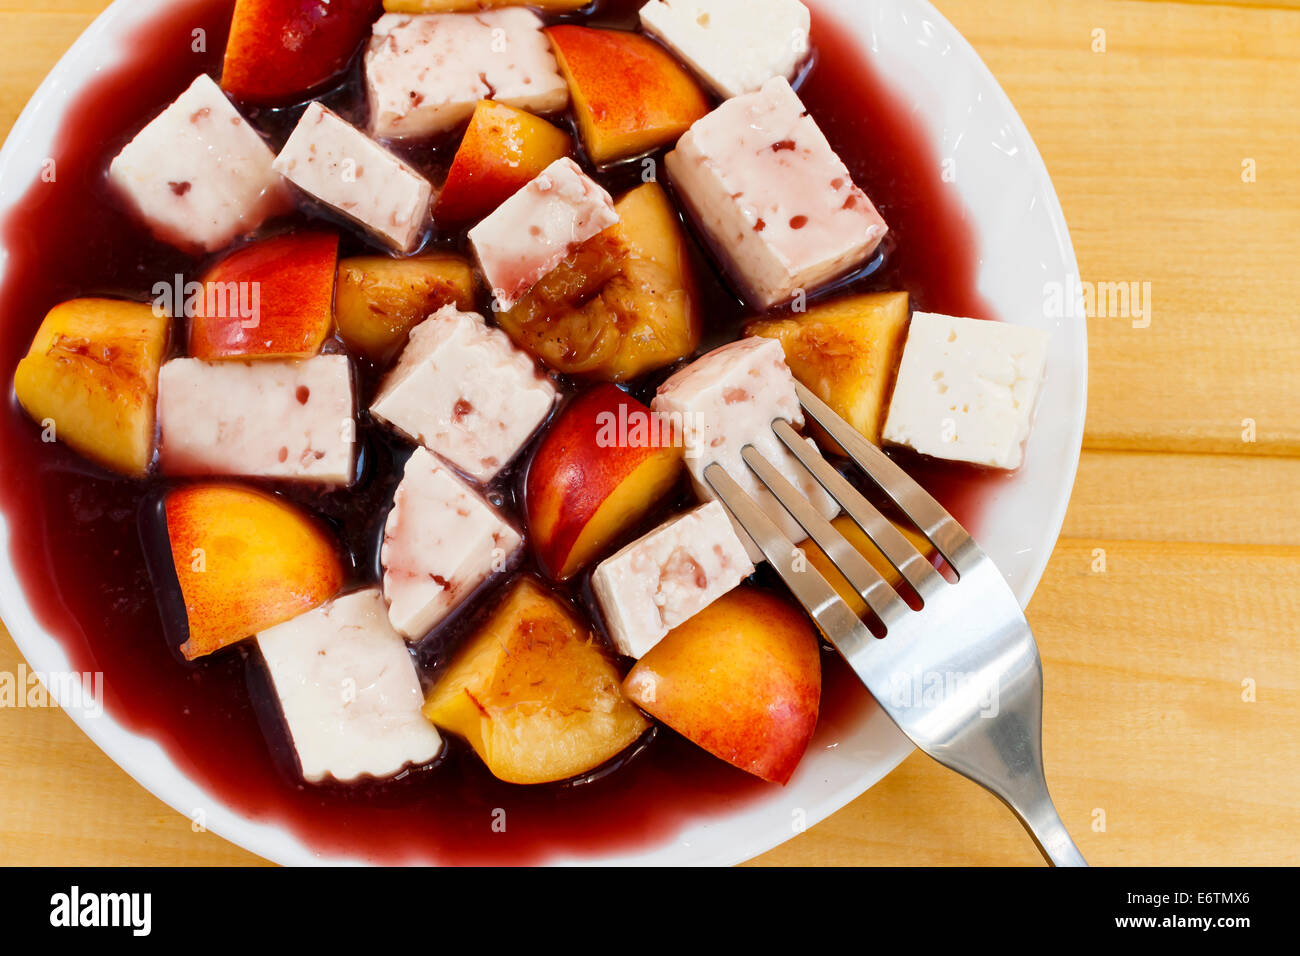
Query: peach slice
<point x="742" y="679"/>
<point x="623" y="304"/>
<point x="91" y="378"/>
<point x="875" y="557"/>
<point x="503" y="150"/>
<point x="280" y="50"/>
<point x="272" y="299"/>
<point x="245" y="561"/>
<point x="847" y="353"/>
<point x="533" y="693"/>
<point x="605" y="462"/>
<point x="629" y="95"/>
<point x="379" y="300"/>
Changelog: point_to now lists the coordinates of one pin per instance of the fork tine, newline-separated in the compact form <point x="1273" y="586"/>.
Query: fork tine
<point x="836" y="619"/>
<point x="949" y="537"/>
<point x="915" y="568"/>
<point x="875" y="590"/>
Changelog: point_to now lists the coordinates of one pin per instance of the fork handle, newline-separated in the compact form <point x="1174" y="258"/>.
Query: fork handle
<point x="1048" y="832"/>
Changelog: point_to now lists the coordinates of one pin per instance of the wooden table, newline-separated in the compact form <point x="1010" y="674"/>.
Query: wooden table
<point x="1157" y="749"/>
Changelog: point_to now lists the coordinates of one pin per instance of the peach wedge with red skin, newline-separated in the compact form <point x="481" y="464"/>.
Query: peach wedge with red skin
<point x="592" y="480"/>
<point x="280" y="50"/>
<point x="91" y="377"/>
<point x="290" y="281"/>
<point x="629" y="95"/>
<point x="533" y="693"/>
<point x="502" y="151"/>
<point x="742" y="679"/>
<point x="245" y="561"/>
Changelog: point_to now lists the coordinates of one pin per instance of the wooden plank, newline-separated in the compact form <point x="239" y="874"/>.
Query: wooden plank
<point x="1266" y="4"/>
<point x="1222" y="499"/>
<point x="1145" y="143"/>
<point x="1145" y="723"/>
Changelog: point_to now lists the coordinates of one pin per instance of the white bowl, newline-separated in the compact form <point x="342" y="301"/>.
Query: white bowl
<point x="1025" y="247"/>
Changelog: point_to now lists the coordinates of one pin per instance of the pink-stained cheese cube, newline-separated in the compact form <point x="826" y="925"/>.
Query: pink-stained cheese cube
<point x="334" y="162"/>
<point x="668" y="576"/>
<point x="199" y="175"/>
<point x="349" y="691"/>
<point x="728" y="399"/>
<point x="425" y="73"/>
<point x="463" y="390"/>
<point x="534" y="230"/>
<point x="268" y="419"/>
<point x="441" y="541"/>
<point x="778" y="205"/>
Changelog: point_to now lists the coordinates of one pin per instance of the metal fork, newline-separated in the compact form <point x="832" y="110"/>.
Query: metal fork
<point x="971" y="636"/>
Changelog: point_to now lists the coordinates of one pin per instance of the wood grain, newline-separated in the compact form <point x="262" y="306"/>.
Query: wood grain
<point x="1147" y="661"/>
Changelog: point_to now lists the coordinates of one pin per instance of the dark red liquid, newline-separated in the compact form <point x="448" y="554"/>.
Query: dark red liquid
<point x="75" y="531"/>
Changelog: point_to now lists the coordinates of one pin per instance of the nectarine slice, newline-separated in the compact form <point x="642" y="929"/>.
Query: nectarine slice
<point x="533" y="693"/>
<point x="623" y="304"/>
<point x="847" y="353"/>
<point x="742" y="679"/>
<point x="245" y="561"/>
<point x="271" y="299"/>
<point x="379" y="300"/>
<point x="91" y="379"/>
<point x="503" y="150"/>
<point x="280" y="50"/>
<point x="629" y="95"/>
<point x="606" y="461"/>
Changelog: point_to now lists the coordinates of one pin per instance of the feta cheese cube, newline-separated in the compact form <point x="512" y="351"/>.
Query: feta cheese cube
<point x="441" y="542"/>
<point x="733" y="45"/>
<point x="966" y="389"/>
<point x="777" y="203"/>
<point x="337" y="164"/>
<point x="669" y="576"/>
<point x="534" y="230"/>
<point x="269" y="419"/>
<point x="728" y="399"/>
<point x="349" y="691"/>
<point x="462" y="390"/>
<point x="425" y="73"/>
<point x="199" y="174"/>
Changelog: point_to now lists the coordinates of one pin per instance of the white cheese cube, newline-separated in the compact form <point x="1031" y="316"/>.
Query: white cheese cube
<point x="337" y="164"/>
<point x="425" y="73"/>
<point x="728" y="399"/>
<point x="534" y="230"/>
<point x="276" y="419"/>
<point x="776" y="202"/>
<point x="462" y="390"/>
<point x="441" y="542"/>
<point x="669" y="576"/>
<point x="734" y="45"/>
<point x="198" y="174"/>
<point x="349" y="691"/>
<point x="966" y="389"/>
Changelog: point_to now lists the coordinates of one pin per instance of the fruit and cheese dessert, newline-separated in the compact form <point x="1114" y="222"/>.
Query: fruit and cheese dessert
<point x="439" y="313"/>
